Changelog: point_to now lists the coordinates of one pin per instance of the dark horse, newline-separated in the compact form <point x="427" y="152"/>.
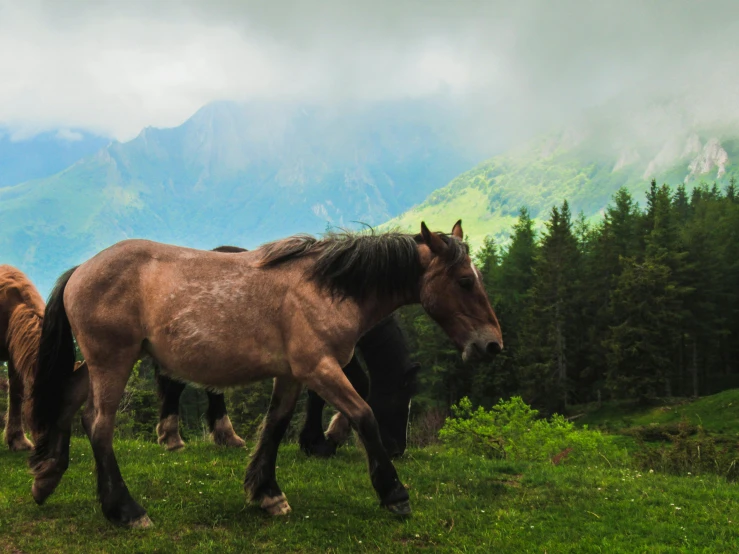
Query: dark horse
<point x="391" y="385"/>
<point x="292" y="310"/>
<point x="393" y="378"/>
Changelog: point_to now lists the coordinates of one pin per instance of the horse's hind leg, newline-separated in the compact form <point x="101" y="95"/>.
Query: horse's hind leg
<point x="168" y="428"/>
<point x="219" y="423"/>
<point x="107" y="386"/>
<point x="261" y="482"/>
<point x="330" y="382"/>
<point x="14" y="436"/>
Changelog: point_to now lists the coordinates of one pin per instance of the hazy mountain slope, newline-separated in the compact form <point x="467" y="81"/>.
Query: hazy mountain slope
<point x="238" y="174"/>
<point x="23" y="159"/>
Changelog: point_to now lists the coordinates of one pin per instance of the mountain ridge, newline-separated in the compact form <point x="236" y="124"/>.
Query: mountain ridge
<point x="234" y="173"/>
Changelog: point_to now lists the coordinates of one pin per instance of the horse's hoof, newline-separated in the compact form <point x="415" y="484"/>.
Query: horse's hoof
<point x="168" y="433"/>
<point x="42" y="488"/>
<point x="321" y="448"/>
<point x="236" y="442"/>
<point x="20" y="444"/>
<point x="144" y="522"/>
<point x="231" y="441"/>
<point x="224" y="435"/>
<point x="402" y="508"/>
<point x="275" y="505"/>
<point x="175" y="444"/>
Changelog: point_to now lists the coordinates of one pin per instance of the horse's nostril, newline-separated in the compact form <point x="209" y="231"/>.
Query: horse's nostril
<point x="493" y="348"/>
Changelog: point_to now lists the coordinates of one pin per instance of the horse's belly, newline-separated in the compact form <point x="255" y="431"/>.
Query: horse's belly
<point x="222" y="371"/>
<point x="219" y="359"/>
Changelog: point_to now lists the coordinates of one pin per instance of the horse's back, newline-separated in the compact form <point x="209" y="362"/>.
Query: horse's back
<point x="14" y="281"/>
<point x="139" y="274"/>
<point x="191" y="309"/>
<point x="21" y="307"/>
<point x="16" y="288"/>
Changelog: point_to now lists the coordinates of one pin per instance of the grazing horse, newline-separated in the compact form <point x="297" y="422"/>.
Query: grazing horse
<point x="21" y="320"/>
<point x="21" y="316"/>
<point x="393" y="382"/>
<point x="293" y="310"/>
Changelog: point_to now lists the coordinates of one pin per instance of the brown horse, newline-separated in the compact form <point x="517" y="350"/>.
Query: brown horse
<point x="21" y="315"/>
<point x="292" y="310"/>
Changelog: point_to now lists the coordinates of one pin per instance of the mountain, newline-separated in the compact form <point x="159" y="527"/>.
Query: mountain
<point x="44" y="154"/>
<point x="586" y="164"/>
<point x="235" y="174"/>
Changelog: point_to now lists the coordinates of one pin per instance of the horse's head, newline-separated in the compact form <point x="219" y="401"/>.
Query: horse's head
<point x="392" y="406"/>
<point x="452" y="293"/>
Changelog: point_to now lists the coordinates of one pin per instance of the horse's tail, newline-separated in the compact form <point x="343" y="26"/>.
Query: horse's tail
<point x="54" y="368"/>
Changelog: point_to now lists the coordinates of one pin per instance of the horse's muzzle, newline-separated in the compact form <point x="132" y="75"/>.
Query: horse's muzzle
<point x="477" y="349"/>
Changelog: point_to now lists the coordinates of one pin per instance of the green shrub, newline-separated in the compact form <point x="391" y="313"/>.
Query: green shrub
<point x="512" y="430"/>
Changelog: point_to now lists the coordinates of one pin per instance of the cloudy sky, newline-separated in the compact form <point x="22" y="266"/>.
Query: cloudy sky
<point x="114" y="67"/>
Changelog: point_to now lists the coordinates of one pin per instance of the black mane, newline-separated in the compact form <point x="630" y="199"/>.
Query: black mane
<point x="360" y="265"/>
<point x="229" y="249"/>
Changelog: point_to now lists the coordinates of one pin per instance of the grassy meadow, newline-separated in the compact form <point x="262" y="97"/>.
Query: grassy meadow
<point x="717" y="414"/>
<point x="461" y="504"/>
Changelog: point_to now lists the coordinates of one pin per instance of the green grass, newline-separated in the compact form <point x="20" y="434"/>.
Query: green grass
<point x="718" y="414"/>
<point x="461" y="504"/>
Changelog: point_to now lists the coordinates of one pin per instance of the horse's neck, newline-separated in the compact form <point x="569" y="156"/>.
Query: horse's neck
<point x="375" y="310"/>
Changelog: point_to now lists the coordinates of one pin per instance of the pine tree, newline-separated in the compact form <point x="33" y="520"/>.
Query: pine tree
<point x="510" y="296"/>
<point x="641" y="342"/>
<point x="548" y="330"/>
<point x="646" y="307"/>
<point x="487" y="261"/>
<point x="731" y="191"/>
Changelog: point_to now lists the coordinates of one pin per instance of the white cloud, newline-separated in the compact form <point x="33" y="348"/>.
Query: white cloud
<point x="116" y="67"/>
<point x="71" y="136"/>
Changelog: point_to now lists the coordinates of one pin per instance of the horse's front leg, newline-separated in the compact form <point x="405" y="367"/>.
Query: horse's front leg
<point x="339" y="429"/>
<point x="328" y="380"/>
<point x="260" y="482"/>
<point x="312" y="440"/>
<point x="15" y="438"/>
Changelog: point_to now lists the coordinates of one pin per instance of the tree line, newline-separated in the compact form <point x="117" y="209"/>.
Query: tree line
<point x="642" y="304"/>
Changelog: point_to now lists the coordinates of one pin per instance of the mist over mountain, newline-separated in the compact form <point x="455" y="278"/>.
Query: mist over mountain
<point x="236" y="174"/>
<point x="630" y="140"/>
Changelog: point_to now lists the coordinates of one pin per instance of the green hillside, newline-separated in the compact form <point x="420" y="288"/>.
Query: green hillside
<point x="548" y="170"/>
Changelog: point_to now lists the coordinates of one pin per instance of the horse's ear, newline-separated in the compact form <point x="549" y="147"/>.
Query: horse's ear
<point x="410" y="379"/>
<point x="412" y="372"/>
<point x="457" y="230"/>
<point x="432" y="240"/>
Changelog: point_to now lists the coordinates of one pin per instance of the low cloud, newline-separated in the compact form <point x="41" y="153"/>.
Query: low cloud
<point x="519" y="67"/>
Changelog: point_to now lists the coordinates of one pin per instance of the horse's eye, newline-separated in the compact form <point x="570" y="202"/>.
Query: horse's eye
<point x="466" y="283"/>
